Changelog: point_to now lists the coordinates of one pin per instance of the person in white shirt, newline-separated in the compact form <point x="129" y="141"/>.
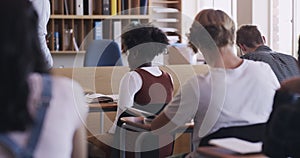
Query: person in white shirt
<point x="42" y="8"/>
<point x="235" y="92"/>
<point x="146" y="86"/>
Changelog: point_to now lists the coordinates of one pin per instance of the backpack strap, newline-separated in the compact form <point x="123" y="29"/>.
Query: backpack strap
<point x="37" y="126"/>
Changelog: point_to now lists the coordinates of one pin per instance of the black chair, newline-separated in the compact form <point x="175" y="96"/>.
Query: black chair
<point x="103" y="53"/>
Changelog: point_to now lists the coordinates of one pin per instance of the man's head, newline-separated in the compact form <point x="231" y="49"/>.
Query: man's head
<point x="249" y="38"/>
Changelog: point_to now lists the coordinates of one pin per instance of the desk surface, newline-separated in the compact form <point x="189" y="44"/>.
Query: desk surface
<point x="103" y="107"/>
<point x="218" y="152"/>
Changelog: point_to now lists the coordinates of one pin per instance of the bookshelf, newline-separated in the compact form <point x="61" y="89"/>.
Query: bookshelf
<point x="166" y="14"/>
<point x="72" y="22"/>
<point x="68" y="22"/>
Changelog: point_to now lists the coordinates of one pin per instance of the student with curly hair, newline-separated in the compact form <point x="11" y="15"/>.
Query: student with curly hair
<point x="146" y="86"/>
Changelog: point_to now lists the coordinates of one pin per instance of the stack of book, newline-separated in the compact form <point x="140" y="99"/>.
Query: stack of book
<point x="109" y="7"/>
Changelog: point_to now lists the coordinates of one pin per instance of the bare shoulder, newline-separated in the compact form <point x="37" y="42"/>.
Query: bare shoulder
<point x="291" y="85"/>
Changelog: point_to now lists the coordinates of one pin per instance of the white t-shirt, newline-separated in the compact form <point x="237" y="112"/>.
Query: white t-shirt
<point x="42" y="8"/>
<point x="66" y="113"/>
<point x="130" y="84"/>
<point x="225" y="97"/>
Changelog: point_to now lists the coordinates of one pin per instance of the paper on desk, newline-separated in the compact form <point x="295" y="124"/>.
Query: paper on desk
<point x="237" y="145"/>
<point x="93" y="98"/>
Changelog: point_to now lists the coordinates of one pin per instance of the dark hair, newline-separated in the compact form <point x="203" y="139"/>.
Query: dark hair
<point x="145" y="40"/>
<point x="249" y="35"/>
<point x="212" y="24"/>
<point x="20" y="55"/>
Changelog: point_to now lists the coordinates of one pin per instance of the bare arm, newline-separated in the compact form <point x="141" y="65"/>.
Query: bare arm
<point x="291" y="85"/>
<point x="79" y="143"/>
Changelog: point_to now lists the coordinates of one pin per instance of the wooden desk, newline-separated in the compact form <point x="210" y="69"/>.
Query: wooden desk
<point x="102" y="107"/>
<point x="138" y="124"/>
<point x="218" y="152"/>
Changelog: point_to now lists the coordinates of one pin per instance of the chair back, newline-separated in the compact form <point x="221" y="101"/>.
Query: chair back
<point x="103" y="53"/>
<point x="140" y="138"/>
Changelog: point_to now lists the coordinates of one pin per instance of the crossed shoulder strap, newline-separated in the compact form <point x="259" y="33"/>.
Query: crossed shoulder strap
<point x="27" y="152"/>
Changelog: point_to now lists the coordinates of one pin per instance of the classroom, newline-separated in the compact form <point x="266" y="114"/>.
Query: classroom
<point x="150" y="78"/>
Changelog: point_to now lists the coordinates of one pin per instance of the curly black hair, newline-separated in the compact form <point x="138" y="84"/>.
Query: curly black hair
<point x="145" y="41"/>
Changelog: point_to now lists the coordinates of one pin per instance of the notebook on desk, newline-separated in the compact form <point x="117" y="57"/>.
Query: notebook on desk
<point x="237" y="145"/>
<point x="100" y="98"/>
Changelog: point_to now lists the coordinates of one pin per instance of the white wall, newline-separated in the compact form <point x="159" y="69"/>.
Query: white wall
<point x="261" y="17"/>
<point x="189" y="10"/>
<point x="255" y="12"/>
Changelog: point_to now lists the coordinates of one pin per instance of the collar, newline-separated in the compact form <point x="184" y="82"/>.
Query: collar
<point x="263" y="48"/>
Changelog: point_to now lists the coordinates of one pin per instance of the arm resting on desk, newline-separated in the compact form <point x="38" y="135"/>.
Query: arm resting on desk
<point x="163" y="121"/>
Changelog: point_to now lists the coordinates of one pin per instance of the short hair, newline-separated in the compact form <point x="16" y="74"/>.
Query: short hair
<point x="146" y="40"/>
<point x="219" y="26"/>
<point x="20" y="55"/>
<point x="136" y="34"/>
<point x="249" y="35"/>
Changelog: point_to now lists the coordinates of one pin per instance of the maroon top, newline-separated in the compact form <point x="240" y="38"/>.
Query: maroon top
<point x="155" y="90"/>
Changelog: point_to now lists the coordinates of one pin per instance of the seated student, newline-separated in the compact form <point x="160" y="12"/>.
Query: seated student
<point x="145" y="87"/>
<point x="41" y="115"/>
<point x="252" y="43"/>
<point x="282" y="131"/>
<point x="235" y="92"/>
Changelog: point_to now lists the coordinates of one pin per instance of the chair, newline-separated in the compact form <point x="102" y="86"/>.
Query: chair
<point x="103" y="53"/>
<point x="143" y="139"/>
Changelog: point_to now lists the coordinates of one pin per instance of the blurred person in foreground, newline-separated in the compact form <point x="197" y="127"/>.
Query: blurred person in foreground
<point x="41" y="115"/>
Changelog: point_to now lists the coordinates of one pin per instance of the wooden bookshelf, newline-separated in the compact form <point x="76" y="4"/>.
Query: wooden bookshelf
<point x="166" y="14"/>
<point x="66" y="22"/>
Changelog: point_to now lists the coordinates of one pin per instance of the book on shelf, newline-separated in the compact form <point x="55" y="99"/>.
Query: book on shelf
<point x="106" y="7"/>
<point x="76" y="48"/>
<point x="79" y="7"/>
<point x="117" y="32"/>
<point x="125" y="6"/>
<point x="173" y="39"/>
<point x="119" y="7"/>
<point x="165" y="10"/>
<point x="166" y="20"/>
<point x="113" y="4"/>
<point x="98" y="30"/>
<point x="66" y="7"/>
<point x="88" y="7"/>
<point x="168" y="29"/>
<point x="143" y="7"/>
<point x="107" y="29"/>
